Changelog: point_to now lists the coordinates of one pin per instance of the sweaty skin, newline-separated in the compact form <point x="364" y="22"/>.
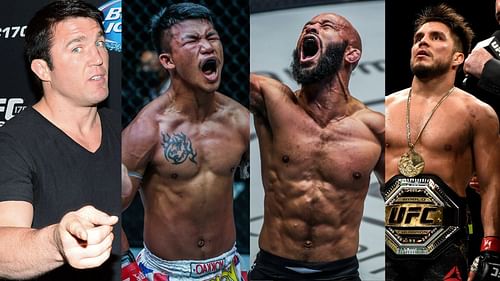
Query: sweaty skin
<point x="462" y="136"/>
<point x="441" y="146"/>
<point x="318" y="147"/>
<point x="188" y="206"/>
<point x="188" y="143"/>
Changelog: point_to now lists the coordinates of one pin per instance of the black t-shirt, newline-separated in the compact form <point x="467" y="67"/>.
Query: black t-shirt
<point x="487" y="88"/>
<point x="490" y="77"/>
<point x="42" y="165"/>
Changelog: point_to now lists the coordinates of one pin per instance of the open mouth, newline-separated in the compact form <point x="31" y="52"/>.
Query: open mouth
<point x="422" y="53"/>
<point x="310" y="47"/>
<point x="209" y="66"/>
<point x="97" y="77"/>
<point x="210" y="69"/>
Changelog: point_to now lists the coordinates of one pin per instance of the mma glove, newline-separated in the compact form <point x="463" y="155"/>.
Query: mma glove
<point x="130" y="268"/>
<point x="486" y="267"/>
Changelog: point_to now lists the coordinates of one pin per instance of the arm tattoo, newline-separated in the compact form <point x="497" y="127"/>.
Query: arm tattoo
<point x="177" y="148"/>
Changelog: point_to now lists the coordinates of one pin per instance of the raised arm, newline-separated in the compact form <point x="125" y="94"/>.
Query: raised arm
<point x="267" y="94"/>
<point x="257" y="102"/>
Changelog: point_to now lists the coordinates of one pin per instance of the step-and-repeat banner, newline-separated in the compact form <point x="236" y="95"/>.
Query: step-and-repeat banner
<point x="16" y="90"/>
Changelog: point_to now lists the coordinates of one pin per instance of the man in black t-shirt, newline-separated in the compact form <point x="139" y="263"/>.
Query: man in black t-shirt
<point x="483" y="70"/>
<point x="485" y="67"/>
<point x="59" y="171"/>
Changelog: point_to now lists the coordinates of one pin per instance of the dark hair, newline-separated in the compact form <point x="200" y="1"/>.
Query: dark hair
<point x="172" y="15"/>
<point x="40" y="30"/>
<point x="460" y="29"/>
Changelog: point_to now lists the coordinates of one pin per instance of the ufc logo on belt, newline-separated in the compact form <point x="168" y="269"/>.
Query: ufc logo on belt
<point x="413" y="215"/>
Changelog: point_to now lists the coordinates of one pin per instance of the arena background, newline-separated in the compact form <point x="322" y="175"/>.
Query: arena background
<point x="17" y="91"/>
<point x="143" y="79"/>
<point x="274" y="29"/>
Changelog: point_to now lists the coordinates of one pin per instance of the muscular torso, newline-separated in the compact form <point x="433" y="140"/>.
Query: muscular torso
<point x="187" y="185"/>
<point x="446" y="142"/>
<point x="315" y="181"/>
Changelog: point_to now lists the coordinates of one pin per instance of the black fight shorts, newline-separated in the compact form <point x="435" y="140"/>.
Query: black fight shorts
<point x="450" y="265"/>
<point x="270" y="267"/>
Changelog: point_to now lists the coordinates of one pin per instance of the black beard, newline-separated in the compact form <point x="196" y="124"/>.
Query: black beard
<point x="328" y="64"/>
<point x="426" y="72"/>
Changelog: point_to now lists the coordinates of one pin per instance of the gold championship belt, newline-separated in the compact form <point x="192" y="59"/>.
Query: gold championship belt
<point x="423" y="216"/>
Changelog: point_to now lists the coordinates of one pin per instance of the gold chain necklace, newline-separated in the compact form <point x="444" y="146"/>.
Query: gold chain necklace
<point x="411" y="163"/>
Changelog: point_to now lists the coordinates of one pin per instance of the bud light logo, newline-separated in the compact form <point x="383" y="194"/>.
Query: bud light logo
<point x="112" y="11"/>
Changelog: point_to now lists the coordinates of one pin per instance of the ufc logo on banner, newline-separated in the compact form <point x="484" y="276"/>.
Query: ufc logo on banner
<point x="11" y="107"/>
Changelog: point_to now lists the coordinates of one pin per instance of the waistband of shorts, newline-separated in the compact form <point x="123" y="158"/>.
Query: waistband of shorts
<point x="186" y="268"/>
<point x="347" y="264"/>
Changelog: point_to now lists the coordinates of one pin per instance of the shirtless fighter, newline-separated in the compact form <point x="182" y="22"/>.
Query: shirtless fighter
<point x="437" y="136"/>
<point x="318" y="147"/>
<point x="182" y="149"/>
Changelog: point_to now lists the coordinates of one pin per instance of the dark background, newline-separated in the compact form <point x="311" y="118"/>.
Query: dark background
<point x="400" y="17"/>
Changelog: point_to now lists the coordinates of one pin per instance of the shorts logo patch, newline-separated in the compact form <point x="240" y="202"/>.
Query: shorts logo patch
<point x="202" y="269"/>
<point x="228" y="274"/>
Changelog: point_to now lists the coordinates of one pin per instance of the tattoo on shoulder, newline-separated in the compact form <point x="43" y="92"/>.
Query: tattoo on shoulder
<point x="177" y="148"/>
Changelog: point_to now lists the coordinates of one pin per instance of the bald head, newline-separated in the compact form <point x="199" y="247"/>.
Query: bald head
<point x="328" y="44"/>
<point x="344" y="28"/>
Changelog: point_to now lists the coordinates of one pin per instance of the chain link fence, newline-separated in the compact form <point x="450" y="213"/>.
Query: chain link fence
<point x="143" y="79"/>
<point x="142" y="76"/>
